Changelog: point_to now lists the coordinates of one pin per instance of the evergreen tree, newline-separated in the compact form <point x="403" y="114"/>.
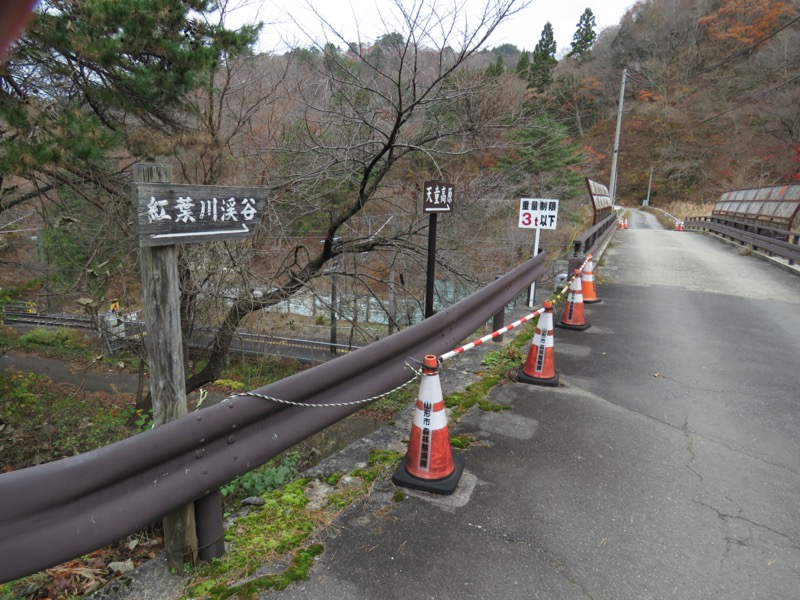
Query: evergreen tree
<point x="497" y="68"/>
<point x="91" y="87"/>
<point x="544" y="160"/>
<point x="524" y="65"/>
<point x="544" y="60"/>
<point x="92" y="77"/>
<point x="585" y="35"/>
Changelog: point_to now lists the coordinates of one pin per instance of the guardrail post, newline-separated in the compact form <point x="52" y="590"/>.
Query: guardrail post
<point x="210" y="528"/>
<point x="576" y="260"/>
<point x="575" y="263"/>
<point x="498" y="320"/>
<point x="794" y="239"/>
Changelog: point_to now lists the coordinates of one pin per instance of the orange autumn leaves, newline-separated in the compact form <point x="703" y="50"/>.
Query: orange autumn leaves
<point x="746" y="21"/>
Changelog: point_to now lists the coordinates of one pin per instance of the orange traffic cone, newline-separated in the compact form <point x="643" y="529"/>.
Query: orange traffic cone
<point x="587" y="282"/>
<point x="429" y="464"/>
<point x="573" y="317"/>
<point x="540" y="367"/>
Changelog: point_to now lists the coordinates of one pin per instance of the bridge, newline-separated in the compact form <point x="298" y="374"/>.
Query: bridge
<point x="665" y="465"/>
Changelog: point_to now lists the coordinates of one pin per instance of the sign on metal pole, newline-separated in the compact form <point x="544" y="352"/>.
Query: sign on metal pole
<point x="538" y="214"/>
<point x="168" y="214"/>
<point x="437" y="197"/>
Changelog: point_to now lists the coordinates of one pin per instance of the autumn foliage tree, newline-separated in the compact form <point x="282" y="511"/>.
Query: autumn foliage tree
<point x="745" y="21"/>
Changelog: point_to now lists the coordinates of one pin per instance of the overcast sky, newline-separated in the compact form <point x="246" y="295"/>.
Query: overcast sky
<point x="523" y="30"/>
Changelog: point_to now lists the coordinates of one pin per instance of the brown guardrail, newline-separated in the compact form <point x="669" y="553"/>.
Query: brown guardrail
<point x="590" y="240"/>
<point x="789" y="250"/>
<point x="53" y="512"/>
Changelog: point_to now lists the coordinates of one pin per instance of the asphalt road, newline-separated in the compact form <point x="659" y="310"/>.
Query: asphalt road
<point x="665" y="465"/>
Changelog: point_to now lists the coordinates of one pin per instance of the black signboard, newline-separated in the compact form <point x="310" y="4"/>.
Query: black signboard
<point x="437" y="197"/>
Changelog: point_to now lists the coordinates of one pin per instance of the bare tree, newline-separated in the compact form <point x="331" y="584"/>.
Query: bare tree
<point x="359" y="127"/>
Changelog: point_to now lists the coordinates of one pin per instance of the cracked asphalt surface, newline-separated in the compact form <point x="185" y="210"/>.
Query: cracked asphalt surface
<point x="666" y="465"/>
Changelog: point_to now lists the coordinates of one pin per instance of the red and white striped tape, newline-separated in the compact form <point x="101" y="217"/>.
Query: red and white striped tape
<point x="499" y="332"/>
<point x="489" y="337"/>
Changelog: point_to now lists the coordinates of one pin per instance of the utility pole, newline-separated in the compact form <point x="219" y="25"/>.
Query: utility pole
<point x="613" y="185"/>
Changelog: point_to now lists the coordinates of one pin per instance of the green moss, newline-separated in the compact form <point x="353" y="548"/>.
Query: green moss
<point x="333" y="478"/>
<point x="341" y="499"/>
<point x="474" y="393"/>
<point x="383" y="458"/>
<point x="301" y="563"/>
<point x="378" y="462"/>
<point x="280" y="527"/>
<point x="462" y="441"/>
<point x="277" y="528"/>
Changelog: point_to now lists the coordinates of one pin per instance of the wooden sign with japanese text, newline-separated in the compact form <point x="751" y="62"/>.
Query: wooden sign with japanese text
<point x="168" y="214"/>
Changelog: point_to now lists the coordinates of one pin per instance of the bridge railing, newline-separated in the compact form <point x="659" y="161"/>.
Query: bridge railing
<point x="589" y="241"/>
<point x="789" y="249"/>
<point x="56" y="511"/>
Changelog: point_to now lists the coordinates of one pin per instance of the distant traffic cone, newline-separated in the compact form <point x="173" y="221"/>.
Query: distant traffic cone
<point x="621" y="224"/>
<point x="587" y="282"/>
<point x="573" y="317"/>
<point x="626" y="224"/>
<point x="540" y="367"/>
<point x="429" y="464"/>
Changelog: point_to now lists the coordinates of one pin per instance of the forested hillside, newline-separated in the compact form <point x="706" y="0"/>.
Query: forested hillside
<point x="712" y="97"/>
<point x="343" y="133"/>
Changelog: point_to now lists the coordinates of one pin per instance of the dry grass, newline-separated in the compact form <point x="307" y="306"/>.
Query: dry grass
<point x="684" y="209"/>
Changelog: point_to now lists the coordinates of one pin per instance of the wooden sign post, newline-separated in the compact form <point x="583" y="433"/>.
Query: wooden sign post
<point x="168" y="214"/>
<point x="162" y="314"/>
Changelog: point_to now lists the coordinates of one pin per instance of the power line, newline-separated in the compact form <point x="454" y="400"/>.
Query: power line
<point x="737" y="55"/>
<point x="780" y="85"/>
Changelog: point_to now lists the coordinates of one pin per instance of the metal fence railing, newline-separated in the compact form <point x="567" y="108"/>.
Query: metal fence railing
<point x="56" y="511"/>
<point x="789" y="249"/>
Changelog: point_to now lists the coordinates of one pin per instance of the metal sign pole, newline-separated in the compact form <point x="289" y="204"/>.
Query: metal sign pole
<point x="532" y="291"/>
<point x="431" y="265"/>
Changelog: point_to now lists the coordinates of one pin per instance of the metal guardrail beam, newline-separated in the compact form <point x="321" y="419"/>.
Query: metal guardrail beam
<point x="585" y="243"/>
<point x="56" y="511"/>
<point x="787" y="250"/>
<point x="590" y="241"/>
